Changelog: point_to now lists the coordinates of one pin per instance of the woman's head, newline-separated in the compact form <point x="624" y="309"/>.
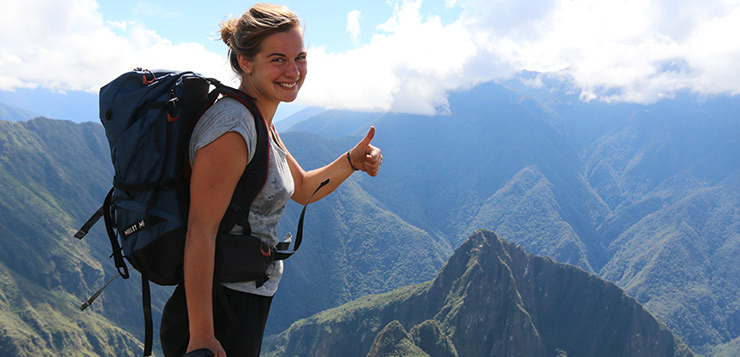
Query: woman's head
<point x="244" y="35"/>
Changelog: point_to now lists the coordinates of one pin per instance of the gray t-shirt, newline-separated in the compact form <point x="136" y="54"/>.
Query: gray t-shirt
<point x="267" y="209"/>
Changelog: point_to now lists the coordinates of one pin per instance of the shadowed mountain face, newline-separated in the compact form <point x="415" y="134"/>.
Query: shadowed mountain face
<point x="491" y="298"/>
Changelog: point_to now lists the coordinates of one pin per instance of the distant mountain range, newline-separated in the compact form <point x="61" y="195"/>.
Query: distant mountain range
<point x="77" y="106"/>
<point x="11" y="113"/>
<point x="644" y="196"/>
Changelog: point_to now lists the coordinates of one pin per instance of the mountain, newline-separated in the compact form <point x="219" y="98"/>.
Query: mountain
<point x="368" y="247"/>
<point x="490" y="299"/>
<point x="670" y="177"/>
<point x="332" y="124"/>
<point x="11" y="113"/>
<point x="53" y="175"/>
<point x="297" y="117"/>
<point x="77" y="106"/>
<point x="644" y="196"/>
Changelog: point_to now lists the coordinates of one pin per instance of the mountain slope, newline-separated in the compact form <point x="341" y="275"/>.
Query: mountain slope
<point x="689" y="267"/>
<point x="11" y="113"/>
<point x="442" y="173"/>
<point x="353" y="244"/>
<point x="670" y="175"/>
<point x="491" y="298"/>
<point x="645" y="196"/>
<point x="591" y="184"/>
<point x="53" y="175"/>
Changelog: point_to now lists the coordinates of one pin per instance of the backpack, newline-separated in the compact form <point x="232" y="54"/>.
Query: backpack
<point x="149" y="117"/>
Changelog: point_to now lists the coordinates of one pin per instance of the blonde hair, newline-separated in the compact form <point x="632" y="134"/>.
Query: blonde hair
<point x="244" y="35"/>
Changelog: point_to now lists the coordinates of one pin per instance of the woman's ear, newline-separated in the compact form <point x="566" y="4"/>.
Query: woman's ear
<point x="244" y="63"/>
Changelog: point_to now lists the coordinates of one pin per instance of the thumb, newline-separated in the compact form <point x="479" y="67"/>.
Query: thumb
<point x="368" y="138"/>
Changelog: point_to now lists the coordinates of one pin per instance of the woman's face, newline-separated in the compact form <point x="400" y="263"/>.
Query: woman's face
<point x="277" y="72"/>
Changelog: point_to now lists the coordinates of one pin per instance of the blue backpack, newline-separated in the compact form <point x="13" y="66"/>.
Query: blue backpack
<point x="149" y="117"/>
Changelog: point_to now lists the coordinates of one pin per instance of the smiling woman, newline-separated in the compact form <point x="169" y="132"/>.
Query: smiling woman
<point x="277" y="71"/>
<point x="267" y="53"/>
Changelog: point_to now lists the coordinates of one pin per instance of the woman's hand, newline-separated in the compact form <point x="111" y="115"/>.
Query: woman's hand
<point x="366" y="157"/>
<point x="210" y="343"/>
<point x="363" y="157"/>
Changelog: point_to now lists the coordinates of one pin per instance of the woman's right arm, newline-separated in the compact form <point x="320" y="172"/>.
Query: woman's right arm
<point x="217" y="168"/>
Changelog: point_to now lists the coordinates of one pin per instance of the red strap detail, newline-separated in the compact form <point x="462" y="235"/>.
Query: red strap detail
<point x="262" y="249"/>
<point x="147" y="81"/>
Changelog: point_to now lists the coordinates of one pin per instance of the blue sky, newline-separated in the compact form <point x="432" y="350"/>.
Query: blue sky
<point x="325" y="20"/>
<point x="393" y="55"/>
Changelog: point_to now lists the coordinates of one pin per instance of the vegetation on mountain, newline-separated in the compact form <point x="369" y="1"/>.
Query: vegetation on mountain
<point x="491" y="298"/>
<point x="53" y="175"/>
<point x="643" y="196"/>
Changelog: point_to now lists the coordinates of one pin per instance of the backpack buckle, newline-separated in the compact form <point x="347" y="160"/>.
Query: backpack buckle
<point x="264" y="246"/>
<point x="147" y="81"/>
<point x="171" y="106"/>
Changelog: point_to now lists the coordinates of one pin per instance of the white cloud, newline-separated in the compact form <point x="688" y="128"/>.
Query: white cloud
<point x="120" y="25"/>
<point x="612" y="50"/>
<point x="409" y="67"/>
<point x="353" y="24"/>
<point x="66" y="45"/>
<point x="634" y="50"/>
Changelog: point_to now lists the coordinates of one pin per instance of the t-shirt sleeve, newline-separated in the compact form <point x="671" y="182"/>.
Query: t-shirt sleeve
<point x="226" y="115"/>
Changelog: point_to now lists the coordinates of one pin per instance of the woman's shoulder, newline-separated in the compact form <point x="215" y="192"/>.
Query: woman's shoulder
<point x="227" y="108"/>
<point x="228" y="114"/>
<point x="225" y="115"/>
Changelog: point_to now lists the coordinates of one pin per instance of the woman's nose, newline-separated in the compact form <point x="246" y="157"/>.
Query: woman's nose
<point x="292" y="70"/>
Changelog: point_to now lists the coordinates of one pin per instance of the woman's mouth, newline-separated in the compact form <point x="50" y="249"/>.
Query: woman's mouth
<point x="288" y="85"/>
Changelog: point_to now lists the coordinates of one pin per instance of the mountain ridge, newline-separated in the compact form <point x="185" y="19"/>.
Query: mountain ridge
<point x="490" y="298"/>
<point x="645" y="196"/>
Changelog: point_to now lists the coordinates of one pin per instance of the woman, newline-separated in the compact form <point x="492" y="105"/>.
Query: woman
<point x="266" y="50"/>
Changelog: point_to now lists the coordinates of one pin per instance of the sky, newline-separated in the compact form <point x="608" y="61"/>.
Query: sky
<point x="392" y="55"/>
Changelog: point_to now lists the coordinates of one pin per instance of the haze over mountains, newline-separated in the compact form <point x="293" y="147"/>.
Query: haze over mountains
<point x="647" y="197"/>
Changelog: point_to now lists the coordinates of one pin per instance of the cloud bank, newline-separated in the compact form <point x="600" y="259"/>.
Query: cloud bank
<point x="627" y="50"/>
<point x="67" y="46"/>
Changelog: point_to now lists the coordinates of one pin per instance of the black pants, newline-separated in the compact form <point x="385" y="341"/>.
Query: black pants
<point x="239" y="331"/>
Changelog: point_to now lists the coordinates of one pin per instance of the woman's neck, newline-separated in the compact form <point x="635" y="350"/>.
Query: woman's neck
<point x="267" y="109"/>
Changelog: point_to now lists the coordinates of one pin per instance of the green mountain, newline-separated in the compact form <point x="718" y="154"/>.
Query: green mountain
<point x="645" y="196"/>
<point x="642" y="196"/>
<point x="490" y="299"/>
<point x="53" y="175"/>
<point x="368" y="247"/>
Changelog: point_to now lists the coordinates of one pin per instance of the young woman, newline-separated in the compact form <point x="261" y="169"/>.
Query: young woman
<point x="266" y="50"/>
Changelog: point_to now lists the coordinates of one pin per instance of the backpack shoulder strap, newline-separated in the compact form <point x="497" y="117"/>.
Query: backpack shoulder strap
<point x="255" y="175"/>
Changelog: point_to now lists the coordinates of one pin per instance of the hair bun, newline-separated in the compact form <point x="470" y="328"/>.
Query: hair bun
<point x="228" y="30"/>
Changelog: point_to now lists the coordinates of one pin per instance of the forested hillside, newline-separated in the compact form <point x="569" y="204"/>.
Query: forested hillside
<point x="52" y="175"/>
<point x="644" y="196"/>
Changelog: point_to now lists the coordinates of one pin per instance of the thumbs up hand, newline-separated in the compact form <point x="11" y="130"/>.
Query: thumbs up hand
<point x="366" y="157"/>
